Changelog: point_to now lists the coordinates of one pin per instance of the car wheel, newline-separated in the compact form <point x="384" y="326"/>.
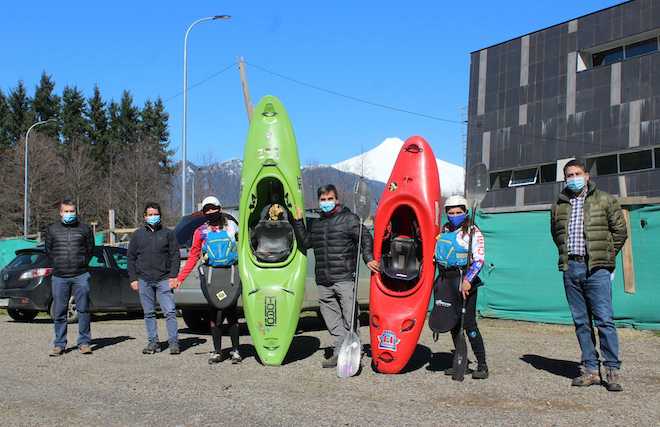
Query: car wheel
<point x="22" y="315"/>
<point x="71" y="311"/>
<point x="196" y="320"/>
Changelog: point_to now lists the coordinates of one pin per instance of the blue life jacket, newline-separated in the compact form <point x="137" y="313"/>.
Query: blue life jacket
<point x="449" y="252"/>
<point x="220" y="248"/>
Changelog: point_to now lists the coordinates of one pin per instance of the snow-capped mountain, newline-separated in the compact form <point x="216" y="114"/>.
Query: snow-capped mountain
<point x="379" y="161"/>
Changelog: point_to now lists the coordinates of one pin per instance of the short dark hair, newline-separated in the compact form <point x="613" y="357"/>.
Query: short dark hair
<point x="576" y="163"/>
<point x="152" y="205"/>
<point x="327" y="189"/>
<point x="68" y="201"/>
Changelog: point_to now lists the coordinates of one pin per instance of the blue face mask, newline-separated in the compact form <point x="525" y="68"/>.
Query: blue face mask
<point x="327" y="205"/>
<point x="576" y="184"/>
<point x="152" y="219"/>
<point x="69" y="218"/>
<point x="457" y="220"/>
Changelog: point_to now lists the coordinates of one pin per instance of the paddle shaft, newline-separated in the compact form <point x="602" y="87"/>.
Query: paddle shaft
<point x="357" y="275"/>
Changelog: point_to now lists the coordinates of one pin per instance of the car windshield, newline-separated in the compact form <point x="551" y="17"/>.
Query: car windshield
<point x="121" y="259"/>
<point x="24" y="260"/>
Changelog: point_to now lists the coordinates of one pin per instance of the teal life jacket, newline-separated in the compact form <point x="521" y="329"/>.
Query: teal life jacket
<point x="449" y="250"/>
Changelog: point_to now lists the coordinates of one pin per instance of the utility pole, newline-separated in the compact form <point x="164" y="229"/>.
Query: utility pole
<point x="246" y="89"/>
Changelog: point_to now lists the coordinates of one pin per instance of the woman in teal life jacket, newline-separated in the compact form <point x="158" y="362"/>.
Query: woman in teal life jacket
<point x="218" y="228"/>
<point x="452" y="259"/>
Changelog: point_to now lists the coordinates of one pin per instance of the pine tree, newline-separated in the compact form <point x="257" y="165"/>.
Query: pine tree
<point x="97" y="118"/>
<point x="155" y="130"/>
<point x="5" y="137"/>
<point x="46" y="104"/>
<point x="128" y="120"/>
<point x="21" y="116"/>
<point x="74" y="112"/>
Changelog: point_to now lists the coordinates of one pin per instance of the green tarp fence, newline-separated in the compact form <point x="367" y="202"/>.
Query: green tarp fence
<point x="8" y="247"/>
<point x="523" y="283"/>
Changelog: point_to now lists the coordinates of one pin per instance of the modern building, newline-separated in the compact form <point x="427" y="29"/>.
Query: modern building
<point x="586" y="88"/>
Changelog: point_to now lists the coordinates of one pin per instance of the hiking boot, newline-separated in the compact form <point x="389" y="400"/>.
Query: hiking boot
<point x="174" y="348"/>
<point x="330" y="363"/>
<point x="235" y="357"/>
<point x="612" y="380"/>
<point x="481" y="373"/>
<point x="215" y="358"/>
<point x="587" y="377"/>
<point x="56" y="352"/>
<point x="151" y="348"/>
<point x="85" y="349"/>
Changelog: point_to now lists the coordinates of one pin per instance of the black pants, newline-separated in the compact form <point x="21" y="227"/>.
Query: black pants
<point x="470" y="322"/>
<point x="217" y="317"/>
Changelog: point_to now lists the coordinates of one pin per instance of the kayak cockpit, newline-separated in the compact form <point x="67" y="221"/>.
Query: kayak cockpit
<point x="271" y="234"/>
<point x="401" y="251"/>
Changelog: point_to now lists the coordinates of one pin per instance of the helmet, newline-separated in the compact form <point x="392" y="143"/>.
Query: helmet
<point x="456" y="200"/>
<point x="211" y="200"/>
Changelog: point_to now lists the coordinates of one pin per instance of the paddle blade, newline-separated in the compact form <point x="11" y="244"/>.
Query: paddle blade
<point x="477" y="183"/>
<point x="362" y="201"/>
<point x="460" y="358"/>
<point x="348" y="359"/>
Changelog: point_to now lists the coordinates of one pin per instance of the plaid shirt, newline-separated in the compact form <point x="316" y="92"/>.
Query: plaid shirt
<point x="576" y="242"/>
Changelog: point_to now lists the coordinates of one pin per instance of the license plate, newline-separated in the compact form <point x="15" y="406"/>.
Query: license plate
<point x="4" y="302"/>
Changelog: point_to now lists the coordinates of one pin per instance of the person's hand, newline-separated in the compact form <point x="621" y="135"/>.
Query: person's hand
<point x="465" y="289"/>
<point x="374" y="266"/>
<point x="174" y="283"/>
<point x="298" y="215"/>
<point x="135" y="285"/>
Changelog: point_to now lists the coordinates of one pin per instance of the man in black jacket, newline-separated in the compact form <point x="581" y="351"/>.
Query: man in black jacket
<point x="153" y="264"/>
<point x="334" y="238"/>
<point x="69" y="245"/>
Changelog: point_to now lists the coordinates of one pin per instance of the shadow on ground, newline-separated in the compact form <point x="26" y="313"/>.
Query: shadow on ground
<point x="559" y="367"/>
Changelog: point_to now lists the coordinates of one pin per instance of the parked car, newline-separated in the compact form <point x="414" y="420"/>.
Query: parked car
<point x="25" y="284"/>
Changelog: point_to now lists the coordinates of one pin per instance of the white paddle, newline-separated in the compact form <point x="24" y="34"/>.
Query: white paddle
<point x="350" y="352"/>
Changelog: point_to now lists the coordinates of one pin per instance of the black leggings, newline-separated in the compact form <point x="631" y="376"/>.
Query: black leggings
<point x="217" y="317"/>
<point x="470" y="322"/>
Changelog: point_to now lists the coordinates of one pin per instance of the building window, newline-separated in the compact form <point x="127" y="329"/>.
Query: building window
<point x="657" y="158"/>
<point x="548" y="173"/>
<point x="641" y="48"/>
<point x="639" y="160"/>
<point x="500" y="180"/>
<point x="607" y="57"/>
<point x="523" y="177"/>
<point x="603" y="165"/>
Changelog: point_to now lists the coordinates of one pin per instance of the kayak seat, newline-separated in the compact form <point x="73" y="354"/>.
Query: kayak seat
<point x="402" y="262"/>
<point x="272" y="241"/>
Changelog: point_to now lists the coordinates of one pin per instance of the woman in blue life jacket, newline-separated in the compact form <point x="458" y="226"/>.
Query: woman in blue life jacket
<point x="218" y="228"/>
<point x="461" y="279"/>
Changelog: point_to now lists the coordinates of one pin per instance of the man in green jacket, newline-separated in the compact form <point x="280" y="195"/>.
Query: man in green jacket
<point x="589" y="229"/>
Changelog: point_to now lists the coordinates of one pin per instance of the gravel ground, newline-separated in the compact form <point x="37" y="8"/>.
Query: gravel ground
<point x="531" y="366"/>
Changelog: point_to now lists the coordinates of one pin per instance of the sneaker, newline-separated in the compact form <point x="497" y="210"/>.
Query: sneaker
<point x="612" y="380"/>
<point x="330" y="363"/>
<point x="174" y="348"/>
<point x="151" y="348"/>
<point x="235" y="357"/>
<point x="85" y="349"/>
<point x="56" y="352"/>
<point x="481" y="373"/>
<point x="586" y="378"/>
<point x="215" y="358"/>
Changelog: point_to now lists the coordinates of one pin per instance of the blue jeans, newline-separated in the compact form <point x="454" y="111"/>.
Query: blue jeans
<point x="589" y="296"/>
<point x="148" y="293"/>
<point x="62" y="287"/>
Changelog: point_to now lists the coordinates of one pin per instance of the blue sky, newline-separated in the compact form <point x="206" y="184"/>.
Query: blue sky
<point x="411" y="55"/>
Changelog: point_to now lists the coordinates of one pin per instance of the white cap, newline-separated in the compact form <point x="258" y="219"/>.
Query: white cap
<point x="211" y="200"/>
<point x="454" y="201"/>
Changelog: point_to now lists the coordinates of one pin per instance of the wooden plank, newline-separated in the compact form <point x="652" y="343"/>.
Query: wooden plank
<point x="628" y="264"/>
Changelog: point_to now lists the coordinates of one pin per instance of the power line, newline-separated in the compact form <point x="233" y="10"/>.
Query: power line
<point x="201" y="82"/>
<point x="353" y="98"/>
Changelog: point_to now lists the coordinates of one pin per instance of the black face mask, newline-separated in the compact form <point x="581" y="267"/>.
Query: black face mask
<point x="214" y="218"/>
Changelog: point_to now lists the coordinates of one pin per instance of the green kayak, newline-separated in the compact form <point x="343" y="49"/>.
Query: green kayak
<point x="272" y="268"/>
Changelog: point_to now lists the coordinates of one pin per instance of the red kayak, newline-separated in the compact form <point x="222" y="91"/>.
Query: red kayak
<point x="406" y="227"/>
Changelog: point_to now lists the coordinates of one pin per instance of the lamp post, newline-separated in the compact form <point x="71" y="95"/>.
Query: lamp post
<point x="184" y="141"/>
<point x="26" y="201"/>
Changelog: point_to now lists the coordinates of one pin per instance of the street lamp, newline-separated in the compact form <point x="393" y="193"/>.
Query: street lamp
<point x="26" y="202"/>
<point x="184" y="142"/>
<point x="192" y="198"/>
